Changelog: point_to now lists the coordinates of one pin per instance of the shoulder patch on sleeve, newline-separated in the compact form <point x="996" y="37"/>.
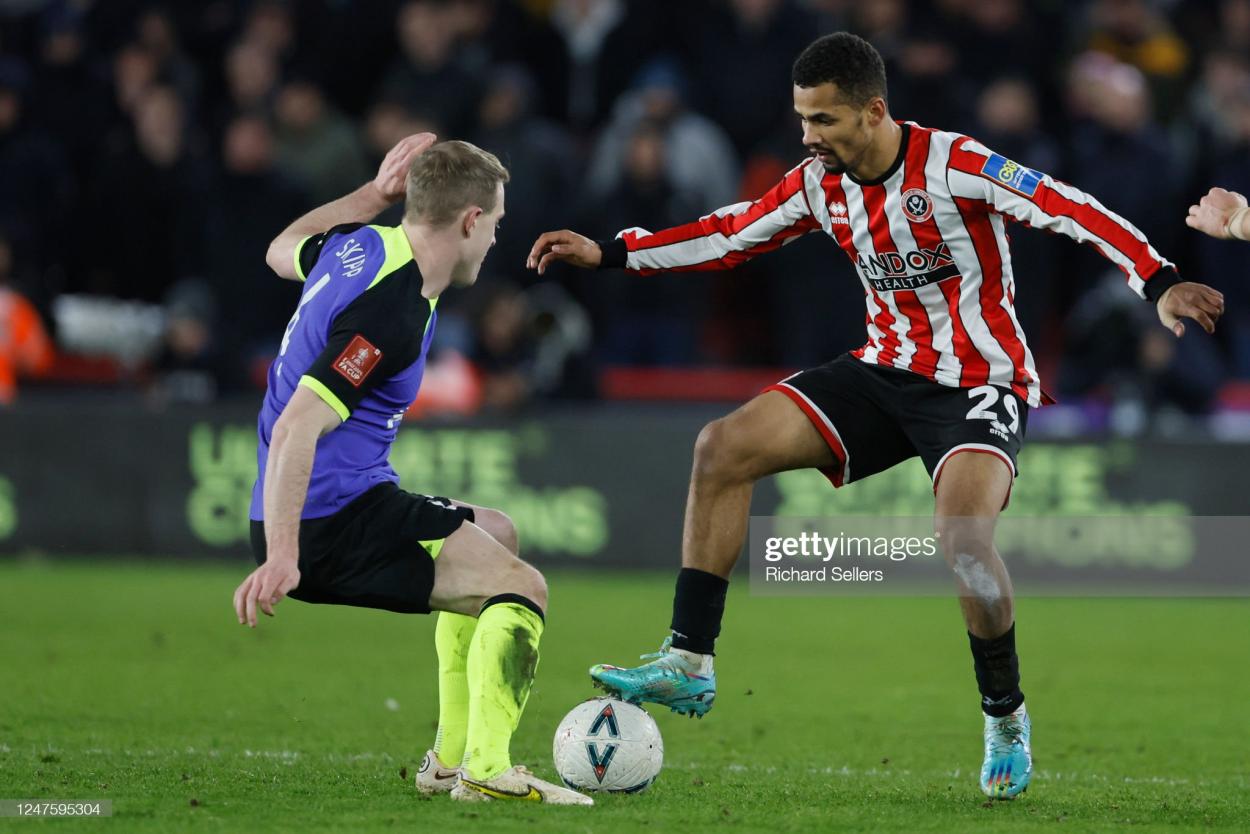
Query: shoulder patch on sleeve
<point x="1011" y="175"/>
<point x="357" y="360"/>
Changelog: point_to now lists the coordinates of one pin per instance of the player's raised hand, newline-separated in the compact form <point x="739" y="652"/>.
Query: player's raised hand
<point x="1214" y="211"/>
<point x="392" y="178"/>
<point x="1189" y="300"/>
<point x="265" y="587"/>
<point x="566" y="246"/>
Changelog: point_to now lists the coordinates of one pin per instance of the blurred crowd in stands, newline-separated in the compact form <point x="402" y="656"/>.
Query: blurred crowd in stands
<point x="149" y="151"/>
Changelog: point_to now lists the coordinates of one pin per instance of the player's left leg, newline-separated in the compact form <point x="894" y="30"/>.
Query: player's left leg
<point x="971" y="490"/>
<point x="972" y="487"/>
<point x="453" y="635"/>
<point x="475" y="574"/>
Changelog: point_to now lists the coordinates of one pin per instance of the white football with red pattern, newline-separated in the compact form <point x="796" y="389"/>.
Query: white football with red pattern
<point x="605" y="744"/>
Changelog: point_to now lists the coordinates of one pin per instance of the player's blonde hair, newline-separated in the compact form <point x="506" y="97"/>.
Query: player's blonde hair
<point x="448" y="178"/>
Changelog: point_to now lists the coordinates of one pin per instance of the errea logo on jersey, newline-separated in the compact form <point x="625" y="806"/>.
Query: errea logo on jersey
<point x="352" y="257"/>
<point x="837" y="214"/>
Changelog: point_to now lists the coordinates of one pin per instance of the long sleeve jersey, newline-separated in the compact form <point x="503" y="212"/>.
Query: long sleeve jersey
<point x="928" y="240"/>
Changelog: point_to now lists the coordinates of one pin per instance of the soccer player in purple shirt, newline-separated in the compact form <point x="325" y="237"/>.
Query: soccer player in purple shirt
<point x="329" y="521"/>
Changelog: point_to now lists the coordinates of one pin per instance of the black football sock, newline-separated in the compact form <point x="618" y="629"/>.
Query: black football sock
<point x="698" y="606"/>
<point x="998" y="672"/>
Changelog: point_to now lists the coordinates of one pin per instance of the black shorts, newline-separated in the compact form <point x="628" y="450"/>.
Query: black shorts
<point x="376" y="552"/>
<point x="873" y="417"/>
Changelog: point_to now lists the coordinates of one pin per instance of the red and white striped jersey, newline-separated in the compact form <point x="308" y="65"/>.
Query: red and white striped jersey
<point x="928" y="240"/>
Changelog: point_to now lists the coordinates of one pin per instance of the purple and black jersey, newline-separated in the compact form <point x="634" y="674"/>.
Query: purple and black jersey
<point x="358" y="339"/>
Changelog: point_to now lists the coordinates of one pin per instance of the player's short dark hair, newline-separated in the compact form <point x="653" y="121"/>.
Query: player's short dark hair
<point x="448" y="178"/>
<point x="848" y="61"/>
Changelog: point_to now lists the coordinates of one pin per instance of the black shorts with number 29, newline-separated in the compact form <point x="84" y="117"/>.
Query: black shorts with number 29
<point x="376" y="552"/>
<point x="873" y="417"/>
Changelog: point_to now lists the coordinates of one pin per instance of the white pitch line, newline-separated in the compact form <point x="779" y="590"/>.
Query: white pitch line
<point x="281" y="755"/>
<point x="292" y="756"/>
<point x="1043" y="775"/>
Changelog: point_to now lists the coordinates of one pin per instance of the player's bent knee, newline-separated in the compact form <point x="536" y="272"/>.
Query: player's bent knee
<point x="520" y="578"/>
<point x="716" y="455"/>
<point x="526" y="580"/>
<point x="473" y="567"/>
<point x="540" y="588"/>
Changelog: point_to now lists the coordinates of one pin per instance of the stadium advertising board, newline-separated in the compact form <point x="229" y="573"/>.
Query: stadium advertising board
<point x="598" y="486"/>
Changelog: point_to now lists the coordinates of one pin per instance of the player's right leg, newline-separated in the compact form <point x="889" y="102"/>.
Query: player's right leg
<point x="477" y="576"/>
<point x="769" y="434"/>
<point x="831" y="418"/>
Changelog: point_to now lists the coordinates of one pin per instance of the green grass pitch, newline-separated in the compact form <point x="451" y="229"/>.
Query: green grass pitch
<point x="131" y="682"/>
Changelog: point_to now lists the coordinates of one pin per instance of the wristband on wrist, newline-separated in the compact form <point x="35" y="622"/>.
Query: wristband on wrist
<point x="613" y="253"/>
<point x="1233" y="226"/>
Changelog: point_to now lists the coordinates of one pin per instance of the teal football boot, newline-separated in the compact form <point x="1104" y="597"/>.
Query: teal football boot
<point x="1008" y="760"/>
<point x="669" y="680"/>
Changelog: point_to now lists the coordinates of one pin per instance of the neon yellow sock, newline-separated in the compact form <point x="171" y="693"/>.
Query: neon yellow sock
<point x="452" y="637"/>
<point x="502" y="662"/>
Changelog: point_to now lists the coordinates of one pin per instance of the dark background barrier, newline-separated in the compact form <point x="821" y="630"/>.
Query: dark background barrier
<point x="601" y="485"/>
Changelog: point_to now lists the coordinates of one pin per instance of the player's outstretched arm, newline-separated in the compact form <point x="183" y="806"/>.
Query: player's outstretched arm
<point x="360" y="206"/>
<point x="720" y="240"/>
<point x="291" y="448"/>
<point x="1221" y="214"/>
<point x="1035" y="198"/>
<point x="570" y="247"/>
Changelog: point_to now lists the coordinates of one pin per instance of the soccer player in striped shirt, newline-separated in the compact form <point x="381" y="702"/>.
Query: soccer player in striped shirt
<point x="330" y="524"/>
<point x="945" y="374"/>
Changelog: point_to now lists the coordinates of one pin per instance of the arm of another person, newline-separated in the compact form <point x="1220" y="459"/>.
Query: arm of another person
<point x="721" y="240"/>
<point x="302" y="423"/>
<point x="1221" y="214"/>
<point x="360" y="206"/>
<point x="1036" y="199"/>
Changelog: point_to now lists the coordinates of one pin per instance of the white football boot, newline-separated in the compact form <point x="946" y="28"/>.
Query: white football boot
<point x="1008" y="764"/>
<point x="518" y="785"/>
<point x="435" y="777"/>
